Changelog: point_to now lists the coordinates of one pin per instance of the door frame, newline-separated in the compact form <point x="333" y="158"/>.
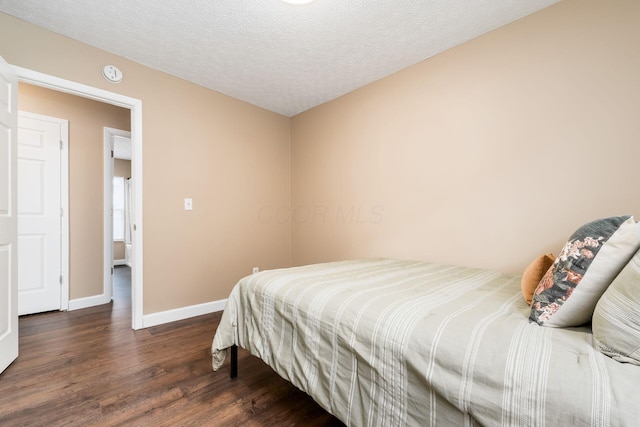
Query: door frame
<point x="64" y="201"/>
<point x="135" y="106"/>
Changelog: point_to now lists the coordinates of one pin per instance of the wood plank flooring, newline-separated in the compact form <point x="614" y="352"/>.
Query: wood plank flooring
<point x="89" y="368"/>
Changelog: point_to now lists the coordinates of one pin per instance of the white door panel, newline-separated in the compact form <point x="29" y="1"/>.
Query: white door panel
<point x="39" y="225"/>
<point x="8" y="217"/>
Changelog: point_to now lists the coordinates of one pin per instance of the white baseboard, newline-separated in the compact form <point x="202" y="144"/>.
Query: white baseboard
<point x="119" y="262"/>
<point x="77" y="304"/>
<point x="162" y="317"/>
<point x="159" y="318"/>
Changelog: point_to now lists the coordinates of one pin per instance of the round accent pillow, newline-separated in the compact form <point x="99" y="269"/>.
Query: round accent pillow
<point x="533" y="274"/>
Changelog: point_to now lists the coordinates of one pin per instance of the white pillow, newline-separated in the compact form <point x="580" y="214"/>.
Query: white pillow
<point x="616" y="319"/>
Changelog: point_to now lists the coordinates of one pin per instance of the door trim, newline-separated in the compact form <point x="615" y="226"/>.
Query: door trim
<point x="135" y="105"/>
<point x="64" y="202"/>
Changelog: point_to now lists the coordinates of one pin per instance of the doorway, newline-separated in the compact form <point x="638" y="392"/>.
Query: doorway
<point x="118" y="220"/>
<point x="135" y="107"/>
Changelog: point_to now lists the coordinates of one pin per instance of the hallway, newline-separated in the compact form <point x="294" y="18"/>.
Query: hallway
<point x="122" y="288"/>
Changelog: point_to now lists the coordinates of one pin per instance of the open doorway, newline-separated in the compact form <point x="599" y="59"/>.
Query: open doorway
<point x="134" y="108"/>
<point x="118" y="219"/>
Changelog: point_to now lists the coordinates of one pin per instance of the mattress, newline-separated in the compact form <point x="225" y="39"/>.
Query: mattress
<point x="383" y="342"/>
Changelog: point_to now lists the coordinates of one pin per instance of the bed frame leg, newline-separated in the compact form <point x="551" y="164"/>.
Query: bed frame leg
<point x="234" y="362"/>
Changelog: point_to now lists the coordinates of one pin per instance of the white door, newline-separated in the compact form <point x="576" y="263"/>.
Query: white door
<point x="39" y="213"/>
<point x="8" y="217"/>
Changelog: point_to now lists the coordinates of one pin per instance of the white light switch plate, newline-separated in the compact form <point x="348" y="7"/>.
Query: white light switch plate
<point x="188" y="204"/>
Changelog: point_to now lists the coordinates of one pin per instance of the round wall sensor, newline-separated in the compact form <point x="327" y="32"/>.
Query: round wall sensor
<point x="112" y="73"/>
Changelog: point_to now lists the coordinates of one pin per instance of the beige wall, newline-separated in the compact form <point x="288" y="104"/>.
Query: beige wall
<point x="121" y="168"/>
<point x="230" y="157"/>
<point x="87" y="119"/>
<point x="118" y="250"/>
<point x="486" y="155"/>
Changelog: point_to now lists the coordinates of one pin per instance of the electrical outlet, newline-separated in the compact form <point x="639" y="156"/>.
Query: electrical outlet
<point x="255" y="270"/>
<point x="188" y="204"/>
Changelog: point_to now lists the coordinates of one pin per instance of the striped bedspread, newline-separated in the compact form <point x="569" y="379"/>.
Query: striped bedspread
<point x="392" y="343"/>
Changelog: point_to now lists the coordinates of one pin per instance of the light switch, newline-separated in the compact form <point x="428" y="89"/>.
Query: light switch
<point x="188" y="204"/>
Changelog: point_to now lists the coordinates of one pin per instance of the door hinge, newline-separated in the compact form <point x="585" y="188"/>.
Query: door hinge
<point x="61" y="212"/>
<point x="61" y="143"/>
<point x="112" y="271"/>
<point x="112" y="154"/>
<point x="61" y="280"/>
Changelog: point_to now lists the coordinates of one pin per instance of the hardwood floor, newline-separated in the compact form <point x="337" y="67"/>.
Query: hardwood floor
<point x="89" y="368"/>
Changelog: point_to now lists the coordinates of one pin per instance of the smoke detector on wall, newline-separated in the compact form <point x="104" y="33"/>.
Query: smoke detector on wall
<point x="112" y="73"/>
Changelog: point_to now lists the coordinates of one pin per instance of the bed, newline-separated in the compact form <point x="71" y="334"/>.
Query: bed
<point x="385" y="342"/>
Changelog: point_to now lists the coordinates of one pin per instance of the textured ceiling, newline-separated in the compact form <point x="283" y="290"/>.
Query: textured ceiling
<point x="281" y="57"/>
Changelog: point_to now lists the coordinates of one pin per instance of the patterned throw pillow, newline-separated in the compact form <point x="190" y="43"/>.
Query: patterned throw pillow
<point x="568" y="293"/>
<point x="533" y="274"/>
<point x="616" y="320"/>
